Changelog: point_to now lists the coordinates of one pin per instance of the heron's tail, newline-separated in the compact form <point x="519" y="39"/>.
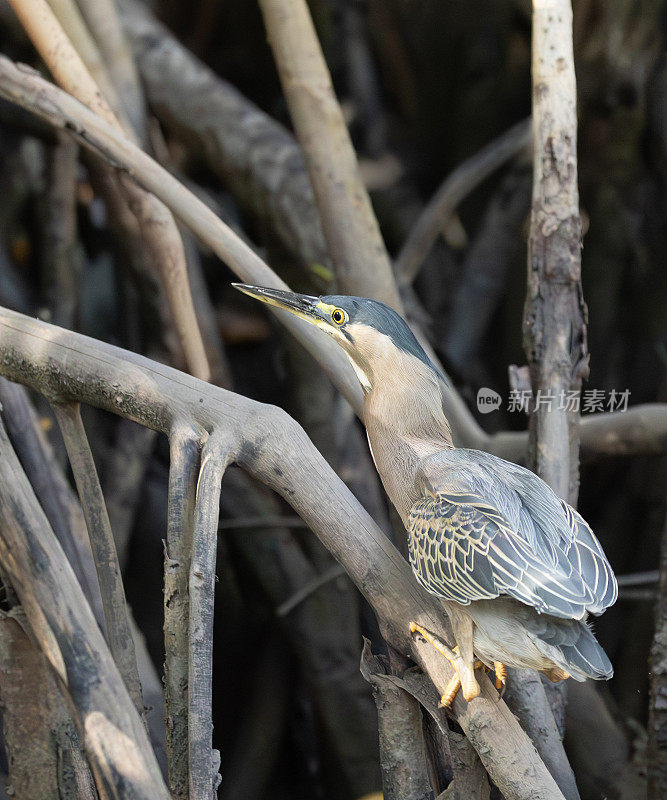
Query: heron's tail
<point x="570" y="644"/>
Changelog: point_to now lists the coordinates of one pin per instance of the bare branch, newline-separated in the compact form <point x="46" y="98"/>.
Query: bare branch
<point x="204" y="761"/>
<point x="452" y="191"/>
<point x="312" y="586"/>
<point x="256" y="157"/>
<point x="350" y="228"/>
<point x="402" y="746"/>
<point x="39" y="737"/>
<point x="157" y="224"/>
<point x="69" y="16"/>
<point x="102" y="542"/>
<point x="526" y="698"/>
<point x="555" y="313"/>
<point x="104" y="24"/>
<point x="25" y="87"/>
<point x="641" y="429"/>
<point x="110" y="728"/>
<point x="30" y="450"/>
<point x="493" y="736"/>
<point x="185" y="442"/>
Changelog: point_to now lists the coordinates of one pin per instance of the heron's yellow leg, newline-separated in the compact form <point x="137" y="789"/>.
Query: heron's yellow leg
<point x="463" y="679"/>
<point x="451" y="690"/>
<point x="501" y="674"/>
<point x="436" y="643"/>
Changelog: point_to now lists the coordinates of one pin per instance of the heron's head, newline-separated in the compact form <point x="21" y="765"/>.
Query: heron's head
<point x="377" y="340"/>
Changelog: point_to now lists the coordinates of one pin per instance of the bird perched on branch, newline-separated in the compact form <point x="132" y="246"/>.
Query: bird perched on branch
<point x="517" y="568"/>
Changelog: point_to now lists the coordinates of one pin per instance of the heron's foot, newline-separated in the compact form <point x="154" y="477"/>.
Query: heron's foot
<point x="436" y="643"/>
<point x="464" y="677"/>
<point x="501" y="676"/>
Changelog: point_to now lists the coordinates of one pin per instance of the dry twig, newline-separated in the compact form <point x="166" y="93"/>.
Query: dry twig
<point x="454" y="188"/>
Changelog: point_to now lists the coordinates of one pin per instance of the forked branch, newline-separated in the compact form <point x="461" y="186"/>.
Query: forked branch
<point x="273" y="448"/>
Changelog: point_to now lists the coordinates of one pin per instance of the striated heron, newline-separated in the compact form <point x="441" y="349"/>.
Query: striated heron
<point x="517" y="568"/>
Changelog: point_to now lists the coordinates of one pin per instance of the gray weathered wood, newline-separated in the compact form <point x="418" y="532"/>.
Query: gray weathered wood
<point x="204" y="761"/>
<point x="110" y="728"/>
<point x="185" y="441"/>
<point x="102" y="543"/>
<point x="270" y="445"/>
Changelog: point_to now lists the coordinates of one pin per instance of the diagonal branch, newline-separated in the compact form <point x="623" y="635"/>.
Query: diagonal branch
<point x="156" y="222"/>
<point x="642" y="429"/>
<point x="26" y="87"/>
<point x="104" y="23"/>
<point x="272" y="447"/>
<point x="480" y="725"/>
<point x="350" y="227"/>
<point x="450" y="193"/>
<point x="103" y="546"/>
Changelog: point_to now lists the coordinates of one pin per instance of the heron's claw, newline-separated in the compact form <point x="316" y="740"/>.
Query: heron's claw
<point x="501" y="676"/>
<point x="463" y="678"/>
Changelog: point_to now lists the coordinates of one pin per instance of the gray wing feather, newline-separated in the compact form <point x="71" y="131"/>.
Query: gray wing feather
<point x="463" y="549"/>
<point x="571" y="644"/>
<point x="554" y="533"/>
<point x="593" y="565"/>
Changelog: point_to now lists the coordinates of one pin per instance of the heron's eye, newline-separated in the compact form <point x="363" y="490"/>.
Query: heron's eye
<point x="338" y="316"/>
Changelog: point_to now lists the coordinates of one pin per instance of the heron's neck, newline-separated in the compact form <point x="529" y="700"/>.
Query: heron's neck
<point x="405" y="424"/>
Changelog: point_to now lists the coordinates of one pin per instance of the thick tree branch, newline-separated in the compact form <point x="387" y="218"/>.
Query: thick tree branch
<point x="39" y="737"/>
<point x="185" y="442"/>
<point x="273" y="448"/>
<point x="405" y="772"/>
<point x="525" y="696"/>
<point x="478" y="724"/>
<point x="204" y="761"/>
<point x="555" y="313"/>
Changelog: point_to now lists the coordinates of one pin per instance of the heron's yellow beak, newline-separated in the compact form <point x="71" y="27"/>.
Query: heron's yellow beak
<point x="311" y="309"/>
